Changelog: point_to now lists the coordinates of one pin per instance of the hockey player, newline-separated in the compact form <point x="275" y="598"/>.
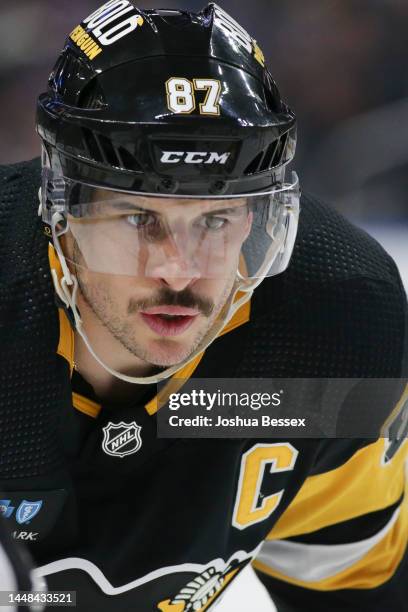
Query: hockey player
<point x="170" y="226"/>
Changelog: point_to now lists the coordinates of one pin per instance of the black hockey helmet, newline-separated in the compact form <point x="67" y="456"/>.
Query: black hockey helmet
<point x="165" y="101"/>
<point x="178" y="110"/>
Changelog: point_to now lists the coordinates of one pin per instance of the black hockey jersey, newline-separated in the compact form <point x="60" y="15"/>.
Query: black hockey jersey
<point x="170" y="524"/>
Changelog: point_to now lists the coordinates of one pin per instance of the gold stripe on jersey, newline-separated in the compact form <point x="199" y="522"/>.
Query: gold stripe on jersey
<point x="240" y="317"/>
<point x="359" y="486"/>
<point x="173" y="385"/>
<point x="168" y="606"/>
<point x="85" y="405"/>
<point x="66" y="337"/>
<point x="373" y="570"/>
<point x="292" y="557"/>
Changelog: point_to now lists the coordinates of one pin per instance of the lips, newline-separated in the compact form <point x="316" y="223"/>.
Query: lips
<point x="169" y="320"/>
<point x="171" y="310"/>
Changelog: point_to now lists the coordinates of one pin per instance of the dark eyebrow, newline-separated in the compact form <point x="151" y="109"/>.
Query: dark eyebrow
<point x="225" y="211"/>
<point x="122" y="205"/>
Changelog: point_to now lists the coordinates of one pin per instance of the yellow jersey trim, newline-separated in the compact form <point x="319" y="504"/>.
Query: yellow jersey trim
<point x="173" y="385"/>
<point x="85" y="405"/>
<point x="361" y="485"/>
<point x="167" y="606"/>
<point x="66" y="337"/>
<point x="373" y="570"/>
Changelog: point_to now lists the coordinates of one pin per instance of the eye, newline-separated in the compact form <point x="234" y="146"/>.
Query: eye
<point x="141" y="219"/>
<point x="211" y="222"/>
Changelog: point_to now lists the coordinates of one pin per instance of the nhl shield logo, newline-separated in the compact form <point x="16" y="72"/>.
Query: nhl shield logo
<point x="121" y="439"/>
<point x="27" y="510"/>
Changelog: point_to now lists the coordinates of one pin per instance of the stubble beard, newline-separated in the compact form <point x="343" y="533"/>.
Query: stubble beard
<point x="166" y="352"/>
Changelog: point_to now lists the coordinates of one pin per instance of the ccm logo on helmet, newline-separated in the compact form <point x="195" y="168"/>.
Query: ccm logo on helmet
<point x="194" y="157"/>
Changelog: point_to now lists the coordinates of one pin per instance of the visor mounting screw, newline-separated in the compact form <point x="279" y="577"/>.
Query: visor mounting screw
<point x="167" y="186"/>
<point x="218" y="187"/>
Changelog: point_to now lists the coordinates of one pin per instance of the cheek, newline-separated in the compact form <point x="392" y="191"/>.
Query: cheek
<point x="104" y="288"/>
<point x="123" y="288"/>
<point x="215" y="289"/>
<point x="235" y="242"/>
<point x="248" y="226"/>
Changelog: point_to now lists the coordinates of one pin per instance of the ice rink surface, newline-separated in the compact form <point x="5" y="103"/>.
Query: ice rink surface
<point x="246" y="594"/>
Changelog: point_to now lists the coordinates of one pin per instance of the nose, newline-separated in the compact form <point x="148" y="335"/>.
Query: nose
<point x="177" y="283"/>
<point x="172" y="263"/>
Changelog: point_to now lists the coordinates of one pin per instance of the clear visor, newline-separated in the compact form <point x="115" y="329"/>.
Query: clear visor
<point x="147" y="236"/>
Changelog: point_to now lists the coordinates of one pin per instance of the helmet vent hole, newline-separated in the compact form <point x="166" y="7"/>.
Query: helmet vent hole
<point x="277" y="158"/>
<point x="272" y="97"/>
<point x="108" y="151"/>
<point x="68" y="75"/>
<point x="67" y="64"/>
<point x="174" y="17"/>
<point x="92" y="145"/>
<point x="55" y="77"/>
<point x="101" y="149"/>
<point x="254" y="165"/>
<point x="92" y="96"/>
<point x="127" y="160"/>
<point x="269" y="158"/>
<point x="269" y="155"/>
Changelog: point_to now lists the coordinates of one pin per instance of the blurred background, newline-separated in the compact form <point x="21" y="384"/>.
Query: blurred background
<point x="342" y="65"/>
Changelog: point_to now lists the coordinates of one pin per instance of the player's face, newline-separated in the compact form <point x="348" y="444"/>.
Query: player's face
<point x="157" y="273"/>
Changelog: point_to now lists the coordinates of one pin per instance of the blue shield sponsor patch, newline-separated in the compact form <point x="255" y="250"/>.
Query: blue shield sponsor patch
<point x="27" y="510"/>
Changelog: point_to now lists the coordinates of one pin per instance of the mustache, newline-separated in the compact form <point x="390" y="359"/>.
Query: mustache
<point x="167" y="297"/>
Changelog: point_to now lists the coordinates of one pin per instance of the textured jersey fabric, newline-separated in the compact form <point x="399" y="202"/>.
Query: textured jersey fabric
<point x="339" y="301"/>
<point x="29" y="328"/>
<point x="149" y="530"/>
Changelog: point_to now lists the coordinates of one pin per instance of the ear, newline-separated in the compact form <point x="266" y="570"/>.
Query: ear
<point x="248" y="224"/>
